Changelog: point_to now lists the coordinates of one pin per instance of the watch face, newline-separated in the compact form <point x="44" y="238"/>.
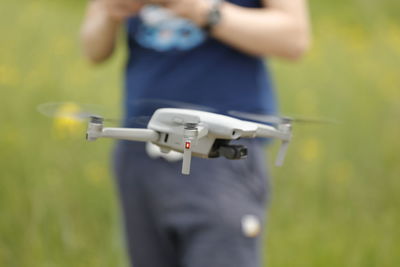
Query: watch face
<point x="215" y="16"/>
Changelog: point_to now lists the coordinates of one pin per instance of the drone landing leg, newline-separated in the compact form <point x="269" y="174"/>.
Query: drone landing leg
<point x="190" y="135"/>
<point x="187" y="158"/>
<point x="281" y="154"/>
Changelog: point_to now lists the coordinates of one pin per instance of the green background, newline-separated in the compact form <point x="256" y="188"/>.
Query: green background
<point x="334" y="203"/>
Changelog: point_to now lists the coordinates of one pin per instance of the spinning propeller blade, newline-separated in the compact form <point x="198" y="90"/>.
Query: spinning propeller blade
<point x="72" y="110"/>
<point x="140" y="120"/>
<point x="154" y="103"/>
<point x="278" y="119"/>
<point x="146" y="107"/>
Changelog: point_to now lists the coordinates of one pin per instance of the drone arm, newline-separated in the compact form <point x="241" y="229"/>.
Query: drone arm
<point x="144" y="135"/>
<point x="267" y="131"/>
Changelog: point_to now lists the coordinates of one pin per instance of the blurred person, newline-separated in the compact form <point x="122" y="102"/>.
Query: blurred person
<point x="206" y="52"/>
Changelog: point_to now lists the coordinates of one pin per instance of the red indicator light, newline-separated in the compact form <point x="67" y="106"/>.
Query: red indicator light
<point x="187" y="145"/>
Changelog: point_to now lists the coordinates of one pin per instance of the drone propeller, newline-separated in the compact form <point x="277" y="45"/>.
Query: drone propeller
<point x="283" y="124"/>
<point x="154" y="103"/>
<point x="272" y="119"/>
<point x="140" y="120"/>
<point x="147" y="106"/>
<point x="73" y="111"/>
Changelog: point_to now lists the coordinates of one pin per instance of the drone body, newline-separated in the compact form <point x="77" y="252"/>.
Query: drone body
<point x="193" y="132"/>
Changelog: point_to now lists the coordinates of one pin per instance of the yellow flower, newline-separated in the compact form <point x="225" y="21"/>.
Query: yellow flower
<point x="8" y="76"/>
<point x="311" y="149"/>
<point x="67" y="121"/>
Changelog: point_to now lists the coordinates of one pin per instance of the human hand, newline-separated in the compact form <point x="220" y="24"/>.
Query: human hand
<point x="194" y="10"/>
<point x="119" y="10"/>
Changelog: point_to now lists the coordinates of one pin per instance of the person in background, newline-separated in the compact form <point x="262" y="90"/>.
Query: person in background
<point x="203" y="52"/>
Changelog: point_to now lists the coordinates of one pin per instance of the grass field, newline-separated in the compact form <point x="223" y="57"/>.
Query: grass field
<point x="335" y="202"/>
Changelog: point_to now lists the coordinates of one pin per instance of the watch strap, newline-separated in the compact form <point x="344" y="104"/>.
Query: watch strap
<point x="213" y="16"/>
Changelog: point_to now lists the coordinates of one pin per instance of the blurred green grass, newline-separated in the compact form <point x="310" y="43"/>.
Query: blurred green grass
<point x="334" y="203"/>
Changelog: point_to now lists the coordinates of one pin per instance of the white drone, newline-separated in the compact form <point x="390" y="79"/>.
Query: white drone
<point x="198" y="133"/>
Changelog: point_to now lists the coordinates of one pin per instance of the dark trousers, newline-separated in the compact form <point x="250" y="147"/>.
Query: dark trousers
<point x="200" y="220"/>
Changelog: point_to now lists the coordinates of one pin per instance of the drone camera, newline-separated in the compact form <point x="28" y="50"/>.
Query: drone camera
<point x="233" y="151"/>
<point x="222" y="148"/>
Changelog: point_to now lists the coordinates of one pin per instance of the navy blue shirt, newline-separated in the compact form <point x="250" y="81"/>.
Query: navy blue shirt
<point x="170" y="58"/>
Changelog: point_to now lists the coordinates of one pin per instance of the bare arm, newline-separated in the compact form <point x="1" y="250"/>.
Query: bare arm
<point x="279" y="29"/>
<point x="101" y="24"/>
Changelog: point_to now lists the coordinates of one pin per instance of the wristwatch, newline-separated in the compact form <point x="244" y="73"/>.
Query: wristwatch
<point x="213" y="15"/>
